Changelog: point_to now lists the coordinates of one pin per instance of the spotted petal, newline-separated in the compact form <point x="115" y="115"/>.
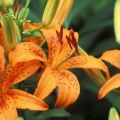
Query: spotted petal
<point x="68" y="88"/>
<point x="47" y="83"/>
<point x="19" y="72"/>
<point x="25" y="100"/>
<point x="87" y="62"/>
<point x="112" y="56"/>
<point x="26" y="51"/>
<point x="59" y="49"/>
<point x="111" y="84"/>
<point x="7" y="108"/>
<point x="2" y="62"/>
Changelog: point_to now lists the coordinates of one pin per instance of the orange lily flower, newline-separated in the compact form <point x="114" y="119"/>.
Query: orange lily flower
<point x="62" y="44"/>
<point x="11" y="99"/>
<point x="113" y="57"/>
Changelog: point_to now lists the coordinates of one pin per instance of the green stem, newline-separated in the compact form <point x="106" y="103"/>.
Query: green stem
<point x="43" y="42"/>
<point x="10" y="11"/>
<point x="38" y="28"/>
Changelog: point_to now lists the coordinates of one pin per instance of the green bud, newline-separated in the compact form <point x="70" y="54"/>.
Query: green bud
<point x="23" y="14"/>
<point x="1" y="3"/>
<point x="20" y="118"/>
<point x="9" y="31"/>
<point x="61" y="12"/>
<point x="9" y="3"/>
<point x="50" y="10"/>
<point x="117" y="20"/>
<point x="113" y="114"/>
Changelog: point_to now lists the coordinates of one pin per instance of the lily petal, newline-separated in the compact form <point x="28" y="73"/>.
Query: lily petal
<point x="87" y="62"/>
<point x="37" y="40"/>
<point x="7" y="109"/>
<point x="52" y="41"/>
<point x="111" y="84"/>
<point x="19" y="72"/>
<point x="59" y="49"/>
<point x="68" y="89"/>
<point x="26" y="51"/>
<point x="47" y="84"/>
<point x="30" y="26"/>
<point x="25" y="100"/>
<point x="112" y="56"/>
<point x="2" y="61"/>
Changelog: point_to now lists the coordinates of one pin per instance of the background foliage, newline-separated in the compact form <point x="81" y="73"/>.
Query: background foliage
<point x="93" y="20"/>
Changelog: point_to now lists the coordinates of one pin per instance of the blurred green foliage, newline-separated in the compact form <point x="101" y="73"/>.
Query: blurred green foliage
<point x="93" y="20"/>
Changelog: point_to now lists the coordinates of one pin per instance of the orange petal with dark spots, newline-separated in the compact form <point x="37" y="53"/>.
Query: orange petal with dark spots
<point x="112" y="83"/>
<point x="25" y="100"/>
<point x="112" y="56"/>
<point x="19" y="72"/>
<point x="2" y="61"/>
<point x="7" y="108"/>
<point x="26" y="51"/>
<point x="87" y="62"/>
<point x="47" y="83"/>
<point x="68" y="88"/>
<point x="59" y="49"/>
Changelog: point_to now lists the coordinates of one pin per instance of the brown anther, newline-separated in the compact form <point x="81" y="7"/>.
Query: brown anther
<point x="69" y="41"/>
<point x="72" y="40"/>
<point x="61" y="31"/>
<point x="60" y="35"/>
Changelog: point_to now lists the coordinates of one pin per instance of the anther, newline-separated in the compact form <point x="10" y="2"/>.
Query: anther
<point x="60" y="35"/>
<point x="72" y="40"/>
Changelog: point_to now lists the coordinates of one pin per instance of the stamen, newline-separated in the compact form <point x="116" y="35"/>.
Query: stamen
<point x="60" y="35"/>
<point x="61" y="31"/>
<point x="69" y="41"/>
<point x="72" y="40"/>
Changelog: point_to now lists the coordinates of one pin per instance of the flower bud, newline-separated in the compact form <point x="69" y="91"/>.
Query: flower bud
<point x="1" y="3"/>
<point x="62" y="12"/>
<point x="9" y="3"/>
<point x="49" y="11"/>
<point x="117" y="20"/>
<point x="9" y="31"/>
<point x="113" y="114"/>
<point x="56" y="12"/>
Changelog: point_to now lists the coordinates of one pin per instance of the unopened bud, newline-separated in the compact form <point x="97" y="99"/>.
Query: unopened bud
<point x="62" y="12"/>
<point x="1" y="3"/>
<point x="113" y="114"/>
<point x="9" y="3"/>
<point x="9" y="31"/>
<point x="50" y="10"/>
<point x="117" y="20"/>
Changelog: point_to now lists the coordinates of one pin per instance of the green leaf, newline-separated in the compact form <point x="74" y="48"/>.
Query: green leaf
<point x="53" y="113"/>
